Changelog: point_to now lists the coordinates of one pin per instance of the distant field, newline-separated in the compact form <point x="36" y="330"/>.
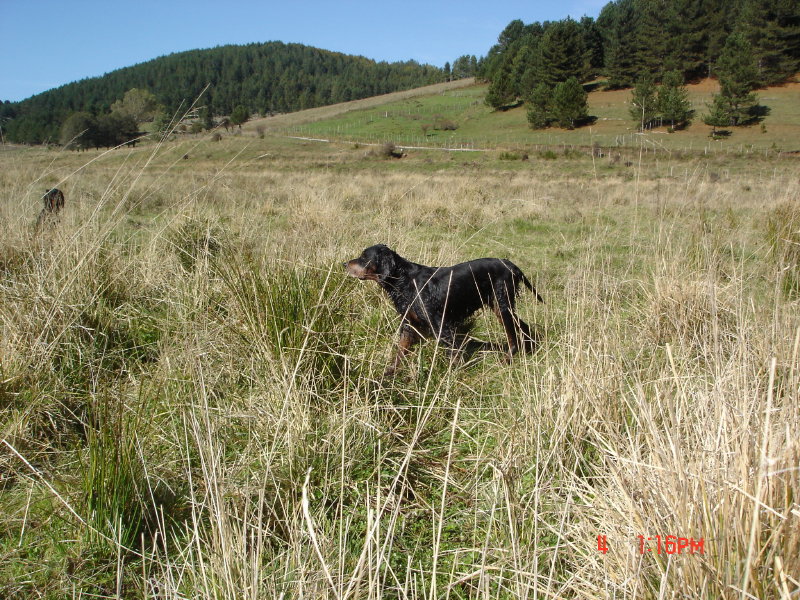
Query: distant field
<point x="412" y="121"/>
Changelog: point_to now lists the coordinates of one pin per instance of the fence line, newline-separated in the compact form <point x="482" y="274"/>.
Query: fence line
<point x="620" y="143"/>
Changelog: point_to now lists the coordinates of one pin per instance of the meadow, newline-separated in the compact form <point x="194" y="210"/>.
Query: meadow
<point x="192" y="399"/>
<point x="454" y="115"/>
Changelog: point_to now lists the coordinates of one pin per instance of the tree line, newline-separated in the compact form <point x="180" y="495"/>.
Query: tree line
<point x="264" y="78"/>
<point x="746" y="44"/>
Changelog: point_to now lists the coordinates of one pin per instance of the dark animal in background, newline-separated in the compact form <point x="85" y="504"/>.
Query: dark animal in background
<point x="436" y="301"/>
<point x="53" y="201"/>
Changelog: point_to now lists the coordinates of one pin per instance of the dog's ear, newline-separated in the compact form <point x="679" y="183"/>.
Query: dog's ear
<point x="386" y="260"/>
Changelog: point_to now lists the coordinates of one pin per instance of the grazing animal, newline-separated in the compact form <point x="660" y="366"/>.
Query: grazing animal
<point x="53" y="201"/>
<point x="435" y="301"/>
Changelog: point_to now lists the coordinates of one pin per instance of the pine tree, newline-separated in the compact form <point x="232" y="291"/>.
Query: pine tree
<point x="240" y="115"/>
<point x="738" y="77"/>
<point x="643" y="102"/>
<point x="562" y="54"/>
<point x="115" y="129"/>
<point x="718" y="114"/>
<point x="501" y="91"/>
<point x="687" y="28"/>
<point x="649" y="43"/>
<point x="673" y="101"/>
<point x="208" y="120"/>
<point x="617" y="24"/>
<point x="464" y="66"/>
<point x="524" y="67"/>
<point x="513" y="31"/>
<point x="773" y="29"/>
<point x="593" y="42"/>
<point x="540" y="106"/>
<point x="569" y="105"/>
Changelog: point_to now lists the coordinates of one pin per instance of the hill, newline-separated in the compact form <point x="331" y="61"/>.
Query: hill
<point x="265" y="78"/>
<point x="457" y="116"/>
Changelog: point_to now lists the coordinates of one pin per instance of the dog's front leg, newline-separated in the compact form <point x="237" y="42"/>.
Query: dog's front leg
<point x="408" y="337"/>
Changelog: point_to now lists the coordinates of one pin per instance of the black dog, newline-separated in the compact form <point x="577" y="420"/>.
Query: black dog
<point x="435" y="301"/>
<point x="53" y="201"/>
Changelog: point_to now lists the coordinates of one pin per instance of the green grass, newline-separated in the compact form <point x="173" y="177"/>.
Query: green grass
<point x="192" y="399"/>
<point x="412" y="122"/>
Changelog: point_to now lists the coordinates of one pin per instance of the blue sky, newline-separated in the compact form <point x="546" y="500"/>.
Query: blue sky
<point x="46" y="43"/>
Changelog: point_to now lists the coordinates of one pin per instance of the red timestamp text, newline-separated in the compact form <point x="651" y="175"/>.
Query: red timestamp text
<point x="670" y="544"/>
<point x="660" y="544"/>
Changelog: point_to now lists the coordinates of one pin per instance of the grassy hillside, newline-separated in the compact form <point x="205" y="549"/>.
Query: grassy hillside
<point x="413" y="121"/>
<point x="192" y="402"/>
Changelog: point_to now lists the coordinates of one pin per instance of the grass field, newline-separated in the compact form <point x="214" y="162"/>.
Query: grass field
<point x="192" y="402"/>
<point x="413" y="121"/>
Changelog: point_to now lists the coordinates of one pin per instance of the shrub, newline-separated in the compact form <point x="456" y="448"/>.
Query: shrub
<point x="388" y="150"/>
<point x="442" y="124"/>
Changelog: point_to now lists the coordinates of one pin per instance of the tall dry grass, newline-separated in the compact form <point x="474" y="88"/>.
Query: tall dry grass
<point x="193" y="406"/>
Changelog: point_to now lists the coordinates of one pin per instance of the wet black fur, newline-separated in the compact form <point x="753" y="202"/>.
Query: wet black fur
<point x="437" y="301"/>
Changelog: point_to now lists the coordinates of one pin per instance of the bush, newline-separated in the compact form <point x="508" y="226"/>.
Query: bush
<point x="442" y="124"/>
<point x="388" y="150"/>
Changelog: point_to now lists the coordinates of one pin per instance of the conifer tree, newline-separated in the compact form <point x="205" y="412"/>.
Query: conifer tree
<point x="619" y="30"/>
<point x="208" y="120"/>
<point x="540" y="106"/>
<point x="673" y="101"/>
<point x="524" y="67"/>
<point x="718" y="114"/>
<point x="569" y="105"/>
<point x="240" y="115"/>
<point x="501" y="91"/>
<point x="562" y="54"/>
<point x="738" y="77"/>
<point x="649" y="43"/>
<point x="773" y="29"/>
<point x="593" y="43"/>
<point x="643" y="108"/>
<point x="687" y="27"/>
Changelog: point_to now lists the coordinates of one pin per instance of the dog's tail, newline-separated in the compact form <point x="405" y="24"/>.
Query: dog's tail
<point x="518" y="276"/>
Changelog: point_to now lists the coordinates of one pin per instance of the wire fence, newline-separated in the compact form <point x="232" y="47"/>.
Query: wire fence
<point x="597" y="146"/>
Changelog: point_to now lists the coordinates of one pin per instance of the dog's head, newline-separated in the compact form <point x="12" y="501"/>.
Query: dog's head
<point x="376" y="263"/>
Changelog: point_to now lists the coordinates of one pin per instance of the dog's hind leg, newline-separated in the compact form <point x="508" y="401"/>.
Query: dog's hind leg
<point x="509" y="322"/>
